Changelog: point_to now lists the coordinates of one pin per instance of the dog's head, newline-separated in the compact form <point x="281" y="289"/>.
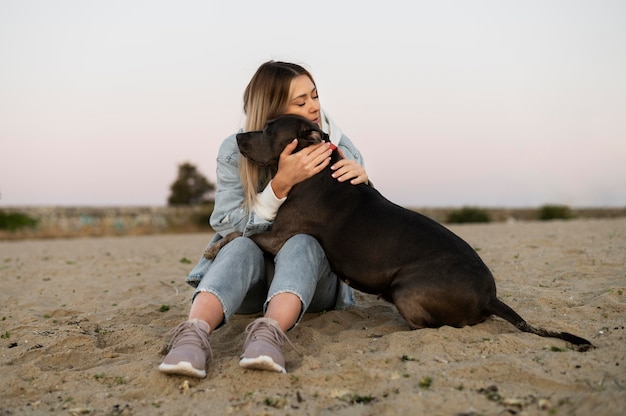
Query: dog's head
<point x="264" y="147"/>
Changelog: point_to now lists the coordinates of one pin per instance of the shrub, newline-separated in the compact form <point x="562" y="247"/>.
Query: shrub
<point x="555" y="212"/>
<point x="190" y="187"/>
<point x="13" y="221"/>
<point x="467" y="215"/>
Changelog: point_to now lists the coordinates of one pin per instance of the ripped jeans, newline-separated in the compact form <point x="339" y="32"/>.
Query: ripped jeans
<point x="245" y="279"/>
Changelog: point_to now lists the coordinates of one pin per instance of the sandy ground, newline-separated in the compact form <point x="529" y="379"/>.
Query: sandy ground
<point x="84" y="323"/>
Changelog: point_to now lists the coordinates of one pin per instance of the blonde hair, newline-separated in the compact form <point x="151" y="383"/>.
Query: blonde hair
<point x="266" y="97"/>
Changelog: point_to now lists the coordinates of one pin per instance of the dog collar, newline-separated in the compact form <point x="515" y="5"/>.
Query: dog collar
<point x="326" y="138"/>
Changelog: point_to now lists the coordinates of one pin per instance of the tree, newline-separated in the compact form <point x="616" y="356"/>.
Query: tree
<point x="191" y="187"/>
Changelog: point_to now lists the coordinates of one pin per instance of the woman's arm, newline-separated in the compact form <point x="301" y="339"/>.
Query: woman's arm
<point x="351" y="167"/>
<point x="229" y="214"/>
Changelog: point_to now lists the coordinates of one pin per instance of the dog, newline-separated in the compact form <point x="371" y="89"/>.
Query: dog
<point x="431" y="275"/>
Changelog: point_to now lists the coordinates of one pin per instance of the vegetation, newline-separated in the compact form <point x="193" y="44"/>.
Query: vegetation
<point x="426" y="382"/>
<point x="13" y="221"/>
<point x="555" y="212"/>
<point x="467" y="215"/>
<point x="190" y="187"/>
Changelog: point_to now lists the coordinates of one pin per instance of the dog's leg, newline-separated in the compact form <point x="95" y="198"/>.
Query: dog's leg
<point x="212" y="251"/>
<point x="271" y="242"/>
<point x="428" y="302"/>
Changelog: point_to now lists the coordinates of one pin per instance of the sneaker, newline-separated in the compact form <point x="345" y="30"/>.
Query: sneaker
<point x="189" y="350"/>
<point x="263" y="346"/>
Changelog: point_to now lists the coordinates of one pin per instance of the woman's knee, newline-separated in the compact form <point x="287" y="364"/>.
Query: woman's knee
<point x="302" y="255"/>
<point x="239" y="257"/>
<point x="241" y="246"/>
<point x="301" y="242"/>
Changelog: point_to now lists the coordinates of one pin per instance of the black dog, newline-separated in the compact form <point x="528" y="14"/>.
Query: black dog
<point x="432" y="276"/>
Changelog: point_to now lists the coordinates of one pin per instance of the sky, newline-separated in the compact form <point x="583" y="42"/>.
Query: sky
<point x="492" y="103"/>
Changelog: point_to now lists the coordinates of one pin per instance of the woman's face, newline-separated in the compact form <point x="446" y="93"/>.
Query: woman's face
<point x="303" y="100"/>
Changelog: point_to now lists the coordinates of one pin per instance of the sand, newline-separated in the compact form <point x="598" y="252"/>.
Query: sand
<point x="84" y="323"/>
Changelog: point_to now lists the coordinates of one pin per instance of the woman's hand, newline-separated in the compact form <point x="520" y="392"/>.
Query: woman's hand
<point x="293" y="168"/>
<point x="348" y="169"/>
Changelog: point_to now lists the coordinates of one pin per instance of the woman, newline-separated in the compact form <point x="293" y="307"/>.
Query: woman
<point x="247" y="200"/>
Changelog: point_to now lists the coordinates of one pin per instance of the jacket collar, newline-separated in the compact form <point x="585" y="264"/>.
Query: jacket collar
<point x="329" y="127"/>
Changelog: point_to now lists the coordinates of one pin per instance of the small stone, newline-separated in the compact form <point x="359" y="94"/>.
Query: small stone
<point x="544" y="404"/>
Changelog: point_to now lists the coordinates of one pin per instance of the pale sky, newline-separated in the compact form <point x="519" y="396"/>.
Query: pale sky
<point x="490" y="103"/>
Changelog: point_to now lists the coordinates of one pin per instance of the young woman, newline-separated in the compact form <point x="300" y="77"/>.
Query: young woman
<point x="298" y="279"/>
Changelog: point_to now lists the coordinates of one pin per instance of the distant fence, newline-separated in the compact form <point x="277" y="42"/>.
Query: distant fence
<point x="55" y="222"/>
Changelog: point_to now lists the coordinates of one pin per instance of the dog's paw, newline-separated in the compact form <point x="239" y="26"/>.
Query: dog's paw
<point x="211" y="252"/>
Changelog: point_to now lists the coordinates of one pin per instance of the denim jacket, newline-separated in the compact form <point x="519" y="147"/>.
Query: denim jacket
<point x="230" y="215"/>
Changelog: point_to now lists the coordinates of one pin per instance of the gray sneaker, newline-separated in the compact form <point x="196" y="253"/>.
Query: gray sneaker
<point x="189" y="350"/>
<point x="263" y="346"/>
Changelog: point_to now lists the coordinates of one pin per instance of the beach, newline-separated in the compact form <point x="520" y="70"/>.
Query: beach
<point x="85" y="321"/>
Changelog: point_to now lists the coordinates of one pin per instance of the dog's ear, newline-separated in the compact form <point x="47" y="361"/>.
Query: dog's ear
<point x="254" y="147"/>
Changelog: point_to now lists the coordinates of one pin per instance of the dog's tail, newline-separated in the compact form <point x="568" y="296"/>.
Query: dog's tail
<point x="504" y="311"/>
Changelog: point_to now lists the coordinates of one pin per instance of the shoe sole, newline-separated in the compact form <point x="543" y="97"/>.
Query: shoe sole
<point x="183" y="368"/>
<point x="262" y="362"/>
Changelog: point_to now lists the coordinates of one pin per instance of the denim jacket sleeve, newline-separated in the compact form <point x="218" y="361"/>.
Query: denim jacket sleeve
<point x="350" y="151"/>
<point x="229" y="214"/>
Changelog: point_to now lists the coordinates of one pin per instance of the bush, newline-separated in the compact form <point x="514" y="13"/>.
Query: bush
<point x="190" y="187"/>
<point x="555" y="212"/>
<point x="467" y="215"/>
<point x="13" y="221"/>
